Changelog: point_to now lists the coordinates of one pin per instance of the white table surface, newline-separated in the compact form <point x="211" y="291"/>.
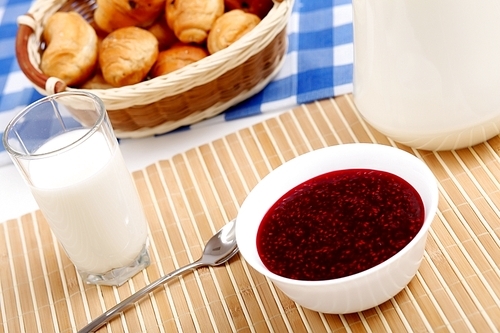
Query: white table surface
<point x="16" y="199"/>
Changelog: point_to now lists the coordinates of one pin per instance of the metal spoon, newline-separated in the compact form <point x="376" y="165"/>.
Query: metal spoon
<point x="218" y="250"/>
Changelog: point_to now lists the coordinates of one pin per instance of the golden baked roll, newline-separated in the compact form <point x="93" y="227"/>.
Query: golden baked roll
<point x="176" y="57"/>
<point x="126" y="55"/>
<point x="71" y="51"/>
<point x="257" y="7"/>
<point x="162" y="32"/>
<point x="191" y="20"/>
<point x="230" y="27"/>
<point x="96" y="82"/>
<point x="114" y="14"/>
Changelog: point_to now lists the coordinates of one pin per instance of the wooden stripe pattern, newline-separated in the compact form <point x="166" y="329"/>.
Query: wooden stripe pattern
<point x="190" y="196"/>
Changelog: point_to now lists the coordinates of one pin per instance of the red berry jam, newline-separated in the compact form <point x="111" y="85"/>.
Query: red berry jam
<point x="339" y="224"/>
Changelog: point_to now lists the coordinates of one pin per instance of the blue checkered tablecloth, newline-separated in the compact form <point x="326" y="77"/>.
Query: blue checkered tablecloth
<point x="318" y="62"/>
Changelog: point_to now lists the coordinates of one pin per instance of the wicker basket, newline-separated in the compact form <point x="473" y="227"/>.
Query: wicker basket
<point x="195" y="92"/>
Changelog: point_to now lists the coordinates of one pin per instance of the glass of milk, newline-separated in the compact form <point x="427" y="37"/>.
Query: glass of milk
<point x="427" y="72"/>
<point x="65" y="148"/>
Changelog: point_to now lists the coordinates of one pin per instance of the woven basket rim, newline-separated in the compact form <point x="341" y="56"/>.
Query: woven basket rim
<point x="193" y="118"/>
<point x="181" y="80"/>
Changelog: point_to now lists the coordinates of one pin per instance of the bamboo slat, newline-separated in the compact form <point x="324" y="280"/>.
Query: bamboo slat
<point x="190" y="196"/>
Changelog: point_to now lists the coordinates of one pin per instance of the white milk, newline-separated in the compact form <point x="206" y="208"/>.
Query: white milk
<point x="89" y="199"/>
<point x="427" y="72"/>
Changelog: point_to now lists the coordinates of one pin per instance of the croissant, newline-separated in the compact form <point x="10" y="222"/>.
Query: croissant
<point x="114" y="14"/>
<point x="230" y="27"/>
<point x="191" y="20"/>
<point x="127" y="55"/>
<point x="71" y="52"/>
<point x="176" y="57"/>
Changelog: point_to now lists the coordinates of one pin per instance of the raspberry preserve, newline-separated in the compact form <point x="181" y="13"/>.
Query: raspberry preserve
<point x="338" y="224"/>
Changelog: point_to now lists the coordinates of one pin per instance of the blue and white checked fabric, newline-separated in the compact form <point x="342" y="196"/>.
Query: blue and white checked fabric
<point x="318" y="63"/>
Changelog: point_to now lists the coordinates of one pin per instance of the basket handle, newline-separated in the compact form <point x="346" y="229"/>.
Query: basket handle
<point x="26" y="29"/>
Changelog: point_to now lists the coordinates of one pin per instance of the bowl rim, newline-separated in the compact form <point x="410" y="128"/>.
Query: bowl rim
<point x="352" y="148"/>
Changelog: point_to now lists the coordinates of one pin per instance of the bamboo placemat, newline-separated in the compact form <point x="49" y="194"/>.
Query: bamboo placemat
<point x="190" y="196"/>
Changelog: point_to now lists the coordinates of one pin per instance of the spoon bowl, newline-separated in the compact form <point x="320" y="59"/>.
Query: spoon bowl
<point x="218" y="250"/>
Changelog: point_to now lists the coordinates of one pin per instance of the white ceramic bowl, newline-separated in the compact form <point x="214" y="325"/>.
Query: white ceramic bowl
<point x="368" y="288"/>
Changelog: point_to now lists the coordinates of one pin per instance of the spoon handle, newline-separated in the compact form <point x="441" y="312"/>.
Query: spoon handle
<point x="132" y="299"/>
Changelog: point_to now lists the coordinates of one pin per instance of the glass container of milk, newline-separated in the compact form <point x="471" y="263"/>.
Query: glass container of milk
<point x="65" y="148"/>
<point x="427" y="72"/>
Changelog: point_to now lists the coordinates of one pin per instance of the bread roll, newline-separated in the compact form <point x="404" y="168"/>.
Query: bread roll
<point x="176" y="57"/>
<point x="230" y="27"/>
<point x="126" y="55"/>
<point x="191" y="20"/>
<point x="162" y="32"/>
<point x="71" y="52"/>
<point x="257" y="7"/>
<point x="96" y="82"/>
<point x="114" y="14"/>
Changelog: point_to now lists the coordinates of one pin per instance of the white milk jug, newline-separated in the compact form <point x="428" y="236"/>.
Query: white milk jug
<point x="427" y="72"/>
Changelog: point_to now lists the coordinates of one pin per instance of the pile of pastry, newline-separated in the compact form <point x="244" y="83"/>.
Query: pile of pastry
<point x="133" y="40"/>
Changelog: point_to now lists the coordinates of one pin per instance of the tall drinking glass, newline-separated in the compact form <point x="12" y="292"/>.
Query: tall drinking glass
<point x="65" y="149"/>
